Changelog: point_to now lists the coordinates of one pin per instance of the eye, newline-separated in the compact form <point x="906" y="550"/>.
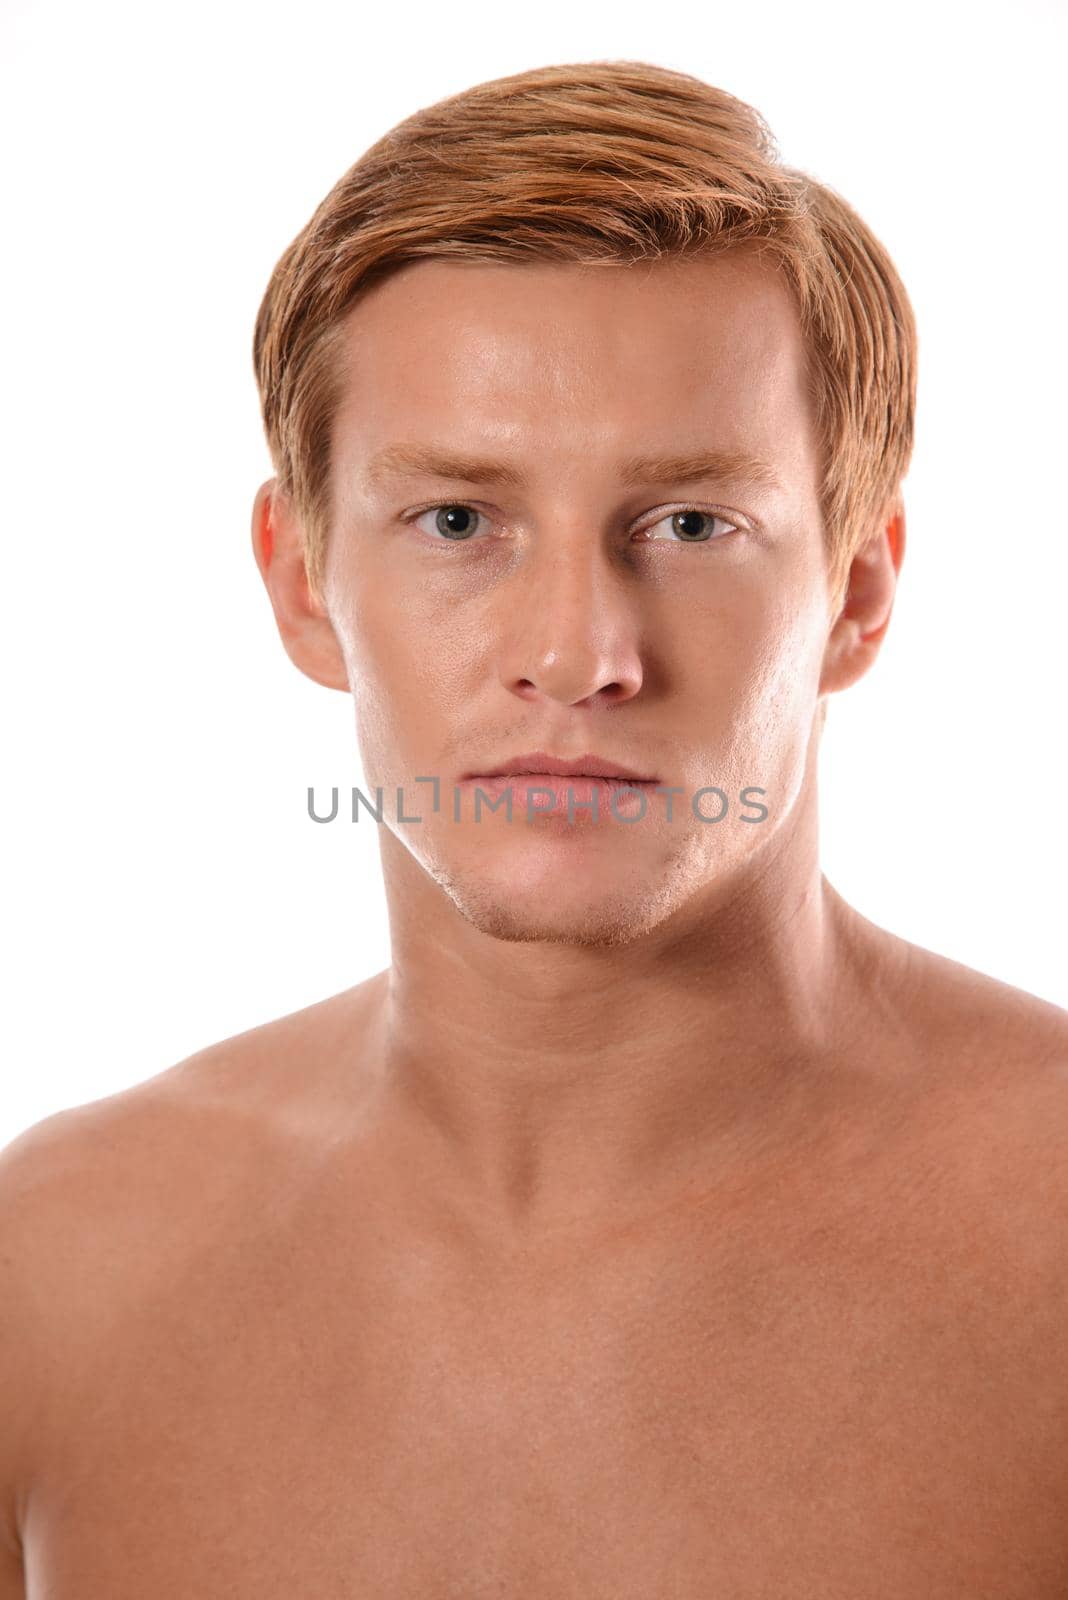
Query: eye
<point x="455" y="521"/>
<point x="691" y="525"/>
<point x="452" y="520"/>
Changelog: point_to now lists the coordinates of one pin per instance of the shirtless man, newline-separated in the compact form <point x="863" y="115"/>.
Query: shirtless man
<point x="654" y="1224"/>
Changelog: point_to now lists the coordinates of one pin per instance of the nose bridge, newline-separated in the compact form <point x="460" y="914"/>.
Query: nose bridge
<point x="571" y="627"/>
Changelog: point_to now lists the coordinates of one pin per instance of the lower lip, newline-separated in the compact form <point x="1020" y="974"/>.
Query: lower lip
<point x="618" y="794"/>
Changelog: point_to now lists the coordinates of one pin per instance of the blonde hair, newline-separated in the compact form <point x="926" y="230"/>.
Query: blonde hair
<point x="595" y="162"/>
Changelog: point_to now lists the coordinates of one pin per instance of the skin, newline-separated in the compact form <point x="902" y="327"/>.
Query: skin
<point x="654" y="1223"/>
<point x="649" y="947"/>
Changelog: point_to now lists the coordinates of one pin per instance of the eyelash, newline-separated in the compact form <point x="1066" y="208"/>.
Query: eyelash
<point x="677" y="511"/>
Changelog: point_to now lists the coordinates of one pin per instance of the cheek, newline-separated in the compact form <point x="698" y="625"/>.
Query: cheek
<point x="752" y="671"/>
<point x="775" y="721"/>
<point x="411" y="682"/>
<point x="385" y="653"/>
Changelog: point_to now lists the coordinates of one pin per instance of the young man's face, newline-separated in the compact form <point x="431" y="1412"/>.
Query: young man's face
<point x="677" y="627"/>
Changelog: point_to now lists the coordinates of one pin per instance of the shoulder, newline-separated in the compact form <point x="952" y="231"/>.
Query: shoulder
<point x="981" y="1064"/>
<point x="199" y="1122"/>
<point x="196" y="1122"/>
<point x="971" y="1018"/>
<point x="991" y="1082"/>
<point x="949" y="1014"/>
<point x="103" y="1202"/>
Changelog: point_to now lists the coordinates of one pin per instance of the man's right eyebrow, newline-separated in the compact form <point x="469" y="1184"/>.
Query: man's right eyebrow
<point x="426" y="461"/>
<point x="729" y="466"/>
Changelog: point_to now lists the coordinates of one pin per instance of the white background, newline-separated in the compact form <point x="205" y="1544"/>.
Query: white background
<point x="163" y="885"/>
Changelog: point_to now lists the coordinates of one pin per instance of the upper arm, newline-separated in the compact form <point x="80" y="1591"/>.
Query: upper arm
<point x="34" y="1201"/>
<point x="71" y="1241"/>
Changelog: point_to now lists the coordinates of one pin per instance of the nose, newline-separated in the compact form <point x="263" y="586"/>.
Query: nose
<point x="570" y="633"/>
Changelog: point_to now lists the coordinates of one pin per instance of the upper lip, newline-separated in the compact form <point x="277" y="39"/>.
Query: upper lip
<point x="587" y="766"/>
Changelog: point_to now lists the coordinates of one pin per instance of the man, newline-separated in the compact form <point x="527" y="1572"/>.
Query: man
<point x="655" y="1223"/>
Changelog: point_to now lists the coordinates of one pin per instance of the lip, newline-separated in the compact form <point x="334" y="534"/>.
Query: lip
<point x="539" y="764"/>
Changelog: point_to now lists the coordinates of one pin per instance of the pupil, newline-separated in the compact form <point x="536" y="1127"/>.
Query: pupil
<point x="689" y="532"/>
<point x="444" y="520"/>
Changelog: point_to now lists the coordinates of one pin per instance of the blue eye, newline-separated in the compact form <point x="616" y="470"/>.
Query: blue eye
<point x="697" y="529"/>
<point x="456" y="522"/>
<point x="452" y="520"/>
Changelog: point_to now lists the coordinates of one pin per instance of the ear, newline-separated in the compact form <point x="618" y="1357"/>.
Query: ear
<point x="864" y="617"/>
<point x="303" y="621"/>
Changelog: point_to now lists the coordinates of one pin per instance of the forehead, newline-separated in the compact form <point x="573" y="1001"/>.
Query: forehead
<point x="576" y="362"/>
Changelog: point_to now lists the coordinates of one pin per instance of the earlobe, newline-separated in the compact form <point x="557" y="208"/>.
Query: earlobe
<point x="303" y="623"/>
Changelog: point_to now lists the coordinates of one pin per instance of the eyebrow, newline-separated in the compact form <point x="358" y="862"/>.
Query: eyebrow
<point x="735" y="467"/>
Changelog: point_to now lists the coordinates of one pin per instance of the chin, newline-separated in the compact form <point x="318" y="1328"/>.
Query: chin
<point x="605" y="911"/>
<point x="590" y="929"/>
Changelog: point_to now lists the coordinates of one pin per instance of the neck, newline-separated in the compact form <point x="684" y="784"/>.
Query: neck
<point x="550" y="1081"/>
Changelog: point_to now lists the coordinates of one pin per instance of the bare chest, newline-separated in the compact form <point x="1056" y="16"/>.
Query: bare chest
<point x="865" y="1399"/>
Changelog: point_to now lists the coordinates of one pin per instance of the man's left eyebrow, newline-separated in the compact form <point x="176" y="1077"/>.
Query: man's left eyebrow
<point x="728" y="466"/>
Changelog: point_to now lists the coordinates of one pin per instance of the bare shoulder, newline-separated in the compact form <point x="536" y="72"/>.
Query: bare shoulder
<point x="972" y="1017"/>
<point x="191" y="1124"/>
<point x="990" y="1058"/>
<point x="103" y="1203"/>
<point x="952" y="1012"/>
